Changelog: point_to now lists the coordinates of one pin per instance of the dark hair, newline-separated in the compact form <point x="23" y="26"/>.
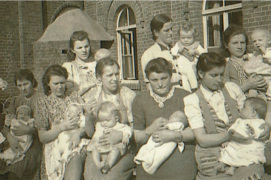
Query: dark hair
<point x="104" y="62"/>
<point x="25" y="74"/>
<point x="158" y="65"/>
<point x="208" y="61"/>
<point x="53" y="70"/>
<point x="231" y="31"/>
<point x="158" y="22"/>
<point x="76" y="36"/>
<point x="259" y="105"/>
<point x="187" y="26"/>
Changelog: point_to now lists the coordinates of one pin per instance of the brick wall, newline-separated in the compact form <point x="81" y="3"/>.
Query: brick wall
<point x="256" y="14"/>
<point x="105" y="12"/>
<point x="9" y="44"/>
<point x="37" y="15"/>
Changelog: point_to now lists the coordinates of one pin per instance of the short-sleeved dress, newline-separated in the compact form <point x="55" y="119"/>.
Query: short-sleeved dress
<point x="30" y="165"/>
<point x="145" y="111"/>
<point x="51" y="110"/>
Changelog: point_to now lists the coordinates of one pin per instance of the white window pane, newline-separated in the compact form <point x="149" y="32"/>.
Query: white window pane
<point x="215" y="29"/>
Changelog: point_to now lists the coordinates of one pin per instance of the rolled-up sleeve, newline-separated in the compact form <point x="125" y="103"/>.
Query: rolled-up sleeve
<point x="236" y="93"/>
<point x="193" y="112"/>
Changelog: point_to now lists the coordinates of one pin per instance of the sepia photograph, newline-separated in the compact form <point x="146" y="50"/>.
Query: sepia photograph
<point x="135" y="90"/>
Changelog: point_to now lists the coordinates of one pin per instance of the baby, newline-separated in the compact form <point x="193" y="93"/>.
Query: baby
<point x="63" y="145"/>
<point x="187" y="51"/>
<point x="106" y="157"/>
<point x="259" y="61"/>
<point x="152" y="154"/>
<point x="237" y="154"/>
<point x="23" y="115"/>
<point x="101" y="54"/>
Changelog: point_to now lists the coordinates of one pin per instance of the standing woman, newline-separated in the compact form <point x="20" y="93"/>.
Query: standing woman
<point x="50" y="123"/>
<point x="161" y="28"/>
<point x="30" y="165"/>
<point x="151" y="111"/>
<point x="81" y="69"/>
<point x="107" y="72"/>
<point x="235" y="41"/>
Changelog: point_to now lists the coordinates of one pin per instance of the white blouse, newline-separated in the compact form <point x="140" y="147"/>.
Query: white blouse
<point x="216" y="100"/>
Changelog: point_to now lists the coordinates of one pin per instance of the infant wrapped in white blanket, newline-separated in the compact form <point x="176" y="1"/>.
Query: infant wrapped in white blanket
<point x="152" y="154"/>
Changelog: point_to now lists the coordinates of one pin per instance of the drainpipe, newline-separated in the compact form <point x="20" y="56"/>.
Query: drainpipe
<point x="21" y="33"/>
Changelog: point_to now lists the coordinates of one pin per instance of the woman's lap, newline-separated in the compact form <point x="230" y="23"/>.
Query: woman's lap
<point x="28" y="167"/>
<point x="122" y="170"/>
<point x="240" y="173"/>
<point x="178" y="166"/>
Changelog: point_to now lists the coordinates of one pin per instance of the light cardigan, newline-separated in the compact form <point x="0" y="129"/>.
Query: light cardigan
<point x="156" y="51"/>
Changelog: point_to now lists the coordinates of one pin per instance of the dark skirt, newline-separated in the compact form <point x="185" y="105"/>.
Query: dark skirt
<point x="122" y="170"/>
<point x="29" y="166"/>
<point x="178" y="166"/>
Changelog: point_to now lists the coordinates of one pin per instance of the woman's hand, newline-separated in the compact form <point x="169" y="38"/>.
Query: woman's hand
<point x="255" y="82"/>
<point x="21" y="129"/>
<point x="264" y="136"/>
<point x="163" y="136"/>
<point x="68" y="124"/>
<point x="14" y="143"/>
<point x="111" y="137"/>
<point x="157" y="125"/>
<point x="237" y="137"/>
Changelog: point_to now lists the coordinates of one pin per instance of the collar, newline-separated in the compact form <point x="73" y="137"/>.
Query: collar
<point x="163" y="48"/>
<point x="207" y="93"/>
<point x="160" y="100"/>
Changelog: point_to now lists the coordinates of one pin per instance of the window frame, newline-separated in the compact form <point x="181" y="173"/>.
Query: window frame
<point x="126" y="29"/>
<point x="224" y="10"/>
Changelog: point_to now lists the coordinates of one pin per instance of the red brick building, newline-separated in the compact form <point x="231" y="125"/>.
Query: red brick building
<point x="24" y="22"/>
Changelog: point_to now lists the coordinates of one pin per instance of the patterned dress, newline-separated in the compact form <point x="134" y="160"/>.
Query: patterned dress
<point x="50" y="111"/>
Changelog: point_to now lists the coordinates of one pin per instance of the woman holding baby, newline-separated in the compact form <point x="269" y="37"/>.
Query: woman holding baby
<point x="109" y="89"/>
<point x="50" y="122"/>
<point x="29" y="166"/>
<point x="235" y="41"/>
<point x="151" y="113"/>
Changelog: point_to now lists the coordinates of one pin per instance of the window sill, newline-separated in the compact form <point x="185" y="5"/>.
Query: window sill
<point x="132" y="84"/>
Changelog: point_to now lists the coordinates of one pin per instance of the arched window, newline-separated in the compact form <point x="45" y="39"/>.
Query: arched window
<point x="217" y="16"/>
<point x="127" y="45"/>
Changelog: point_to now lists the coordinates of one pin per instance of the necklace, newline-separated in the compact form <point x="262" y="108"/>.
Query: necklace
<point x="160" y="100"/>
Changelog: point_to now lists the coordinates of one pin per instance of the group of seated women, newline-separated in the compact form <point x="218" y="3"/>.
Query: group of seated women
<point x="86" y="125"/>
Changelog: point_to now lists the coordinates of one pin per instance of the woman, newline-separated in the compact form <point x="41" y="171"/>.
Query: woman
<point x="29" y="167"/>
<point x="107" y="72"/>
<point x="81" y="69"/>
<point x="151" y="110"/>
<point x="161" y="28"/>
<point x="235" y="41"/>
<point x="50" y="123"/>
<point x="210" y="112"/>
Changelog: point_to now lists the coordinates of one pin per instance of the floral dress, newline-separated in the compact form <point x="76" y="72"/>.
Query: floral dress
<point x="51" y="111"/>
